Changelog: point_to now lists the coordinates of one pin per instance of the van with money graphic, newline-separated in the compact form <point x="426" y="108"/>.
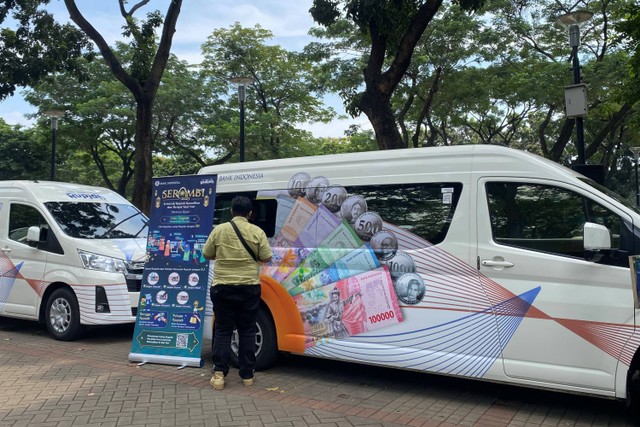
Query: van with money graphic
<point x="71" y="255"/>
<point x="476" y="261"/>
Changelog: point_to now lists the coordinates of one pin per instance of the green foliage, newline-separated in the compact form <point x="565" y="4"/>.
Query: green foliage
<point x="629" y="26"/>
<point x="354" y="141"/>
<point x="285" y="93"/>
<point x="25" y="154"/>
<point x="38" y="47"/>
<point x="143" y="43"/>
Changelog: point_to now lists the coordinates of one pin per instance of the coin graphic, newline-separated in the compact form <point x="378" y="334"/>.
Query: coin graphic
<point x="352" y="207"/>
<point x="315" y="189"/>
<point x="174" y="278"/>
<point x="400" y="264"/>
<point x="410" y="288"/>
<point x="153" y="278"/>
<point x="298" y="183"/>
<point x="333" y="197"/>
<point x="161" y="297"/>
<point x="385" y="244"/>
<point x="182" y="298"/>
<point x="193" y="279"/>
<point x="367" y="224"/>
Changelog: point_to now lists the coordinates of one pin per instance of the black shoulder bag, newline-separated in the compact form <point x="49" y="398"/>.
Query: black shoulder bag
<point x="235" y="227"/>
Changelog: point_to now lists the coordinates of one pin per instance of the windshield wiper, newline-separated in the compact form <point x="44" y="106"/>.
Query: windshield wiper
<point x="103" y="235"/>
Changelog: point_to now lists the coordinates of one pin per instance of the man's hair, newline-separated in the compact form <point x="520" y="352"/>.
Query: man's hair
<point x="241" y="205"/>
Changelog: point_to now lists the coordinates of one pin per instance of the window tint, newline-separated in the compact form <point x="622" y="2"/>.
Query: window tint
<point x="551" y="219"/>
<point x="425" y="210"/>
<point x="99" y="220"/>
<point x="21" y="217"/>
<point x="264" y="211"/>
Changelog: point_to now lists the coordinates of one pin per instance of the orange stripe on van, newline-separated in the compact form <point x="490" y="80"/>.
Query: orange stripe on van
<point x="286" y="315"/>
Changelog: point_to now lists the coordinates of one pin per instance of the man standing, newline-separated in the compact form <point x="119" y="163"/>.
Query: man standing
<point x="235" y="291"/>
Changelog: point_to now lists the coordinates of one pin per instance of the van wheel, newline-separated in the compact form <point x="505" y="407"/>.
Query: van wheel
<point x="62" y="315"/>
<point x="266" y="344"/>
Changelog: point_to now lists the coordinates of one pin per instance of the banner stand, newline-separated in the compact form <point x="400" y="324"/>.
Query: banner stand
<point x="175" y="282"/>
<point x="166" y="360"/>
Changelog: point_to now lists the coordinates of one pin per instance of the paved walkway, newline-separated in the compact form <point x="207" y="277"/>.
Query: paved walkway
<point x="90" y="383"/>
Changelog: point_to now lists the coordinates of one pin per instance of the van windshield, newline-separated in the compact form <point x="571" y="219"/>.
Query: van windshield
<point x="84" y="220"/>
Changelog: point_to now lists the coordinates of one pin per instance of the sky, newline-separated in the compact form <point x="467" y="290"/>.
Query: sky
<point x="288" y="20"/>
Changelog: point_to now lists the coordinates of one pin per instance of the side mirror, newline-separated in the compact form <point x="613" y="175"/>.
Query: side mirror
<point x="596" y="237"/>
<point x="33" y="236"/>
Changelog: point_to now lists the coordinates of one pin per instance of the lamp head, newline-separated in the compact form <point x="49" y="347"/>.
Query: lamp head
<point x="573" y="21"/>
<point x="579" y="17"/>
<point x="242" y="81"/>
<point x="54" y="115"/>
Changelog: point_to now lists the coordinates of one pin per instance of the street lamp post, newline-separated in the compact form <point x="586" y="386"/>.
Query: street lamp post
<point x="54" y="115"/>
<point x="242" y="83"/>
<point x="636" y="154"/>
<point x="573" y="21"/>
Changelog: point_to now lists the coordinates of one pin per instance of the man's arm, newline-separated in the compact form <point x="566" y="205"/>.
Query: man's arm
<point x="264" y="250"/>
<point x="209" y="250"/>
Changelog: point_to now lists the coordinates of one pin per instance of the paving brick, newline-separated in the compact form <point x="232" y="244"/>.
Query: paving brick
<point x="90" y="383"/>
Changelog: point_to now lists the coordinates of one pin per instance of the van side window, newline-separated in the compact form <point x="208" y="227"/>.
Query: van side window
<point x="425" y="210"/>
<point x="264" y="211"/>
<point x="551" y="219"/>
<point x="21" y="217"/>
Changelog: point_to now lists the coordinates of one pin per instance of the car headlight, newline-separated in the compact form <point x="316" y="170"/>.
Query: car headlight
<point x="101" y="263"/>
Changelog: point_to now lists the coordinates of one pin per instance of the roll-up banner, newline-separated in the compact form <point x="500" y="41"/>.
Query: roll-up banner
<point x="174" y="288"/>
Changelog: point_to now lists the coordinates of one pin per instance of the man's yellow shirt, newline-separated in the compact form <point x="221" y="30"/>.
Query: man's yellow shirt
<point x="233" y="264"/>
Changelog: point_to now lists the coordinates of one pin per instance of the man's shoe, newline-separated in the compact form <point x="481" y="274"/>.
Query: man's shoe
<point x="217" y="380"/>
<point x="248" y="381"/>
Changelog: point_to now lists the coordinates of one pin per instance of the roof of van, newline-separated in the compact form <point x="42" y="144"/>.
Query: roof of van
<point x="452" y="163"/>
<point x="50" y="191"/>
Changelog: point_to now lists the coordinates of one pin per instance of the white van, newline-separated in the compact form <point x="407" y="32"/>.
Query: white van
<point x="71" y="255"/>
<point x="476" y="261"/>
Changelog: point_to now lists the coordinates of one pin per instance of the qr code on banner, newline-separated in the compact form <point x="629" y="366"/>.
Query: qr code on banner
<point x="182" y="340"/>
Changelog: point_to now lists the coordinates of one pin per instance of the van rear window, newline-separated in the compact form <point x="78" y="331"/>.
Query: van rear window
<point x="264" y="211"/>
<point x="425" y="210"/>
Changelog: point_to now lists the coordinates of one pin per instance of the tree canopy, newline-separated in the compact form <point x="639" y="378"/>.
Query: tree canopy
<point x="392" y="29"/>
<point x="425" y="73"/>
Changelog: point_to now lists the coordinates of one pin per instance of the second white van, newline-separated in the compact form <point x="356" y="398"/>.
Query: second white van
<point x="70" y="255"/>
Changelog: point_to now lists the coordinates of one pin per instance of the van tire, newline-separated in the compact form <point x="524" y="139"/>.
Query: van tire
<point x="266" y="342"/>
<point x="62" y="315"/>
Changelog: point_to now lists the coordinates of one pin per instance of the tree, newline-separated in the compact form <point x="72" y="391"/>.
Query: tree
<point x="459" y="88"/>
<point x="393" y="29"/>
<point x="285" y="93"/>
<point x="142" y="78"/>
<point x="99" y="123"/>
<point x="629" y="26"/>
<point x="38" y="47"/>
<point x="100" y="120"/>
<point x="25" y="154"/>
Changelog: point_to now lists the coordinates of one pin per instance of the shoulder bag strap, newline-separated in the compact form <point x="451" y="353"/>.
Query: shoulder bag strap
<point x="253" y="255"/>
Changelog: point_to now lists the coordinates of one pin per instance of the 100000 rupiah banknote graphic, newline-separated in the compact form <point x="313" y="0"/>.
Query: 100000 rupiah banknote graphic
<point x="351" y="306"/>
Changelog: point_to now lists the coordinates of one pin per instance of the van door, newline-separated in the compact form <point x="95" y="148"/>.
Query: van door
<point x="559" y="315"/>
<point x="23" y="266"/>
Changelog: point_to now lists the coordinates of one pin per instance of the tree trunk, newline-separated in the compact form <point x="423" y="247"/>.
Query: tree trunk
<point x="143" y="165"/>
<point x="377" y="107"/>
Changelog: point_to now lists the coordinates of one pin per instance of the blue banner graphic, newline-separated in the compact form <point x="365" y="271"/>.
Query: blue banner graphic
<point x="174" y="283"/>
